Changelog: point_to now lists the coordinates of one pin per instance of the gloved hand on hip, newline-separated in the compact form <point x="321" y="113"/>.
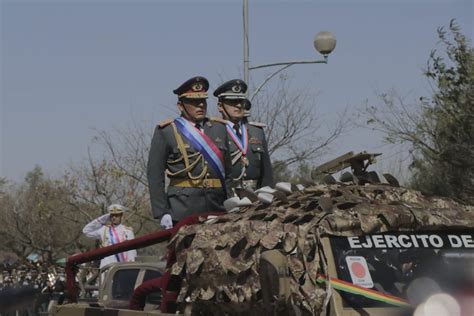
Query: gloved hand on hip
<point x="166" y="222"/>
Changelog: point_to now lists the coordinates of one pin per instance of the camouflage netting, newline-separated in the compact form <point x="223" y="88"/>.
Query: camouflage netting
<point x="219" y="262"/>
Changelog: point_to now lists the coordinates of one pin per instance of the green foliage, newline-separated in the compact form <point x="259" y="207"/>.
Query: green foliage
<point x="439" y="129"/>
<point x="37" y="216"/>
<point x="282" y="173"/>
<point x="444" y="156"/>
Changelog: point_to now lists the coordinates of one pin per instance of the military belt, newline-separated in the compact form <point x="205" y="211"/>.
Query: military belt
<point x="203" y="183"/>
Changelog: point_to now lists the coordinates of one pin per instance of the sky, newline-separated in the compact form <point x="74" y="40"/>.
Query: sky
<point x="71" y="67"/>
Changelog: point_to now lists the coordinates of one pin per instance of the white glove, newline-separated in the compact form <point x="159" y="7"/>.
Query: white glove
<point x="284" y="186"/>
<point x="265" y="197"/>
<point x="231" y="203"/>
<point x="104" y="218"/>
<point x="265" y="189"/>
<point x="166" y="222"/>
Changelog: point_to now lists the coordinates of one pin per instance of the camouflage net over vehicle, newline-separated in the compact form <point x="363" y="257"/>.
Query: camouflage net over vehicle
<point x="218" y="262"/>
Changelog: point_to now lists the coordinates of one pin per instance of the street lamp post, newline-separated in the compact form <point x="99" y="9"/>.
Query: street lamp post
<point x="324" y="43"/>
<point x="246" y="41"/>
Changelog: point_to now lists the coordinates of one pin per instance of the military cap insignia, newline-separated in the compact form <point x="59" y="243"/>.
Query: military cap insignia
<point x="232" y="89"/>
<point x="197" y="86"/>
<point x="237" y="88"/>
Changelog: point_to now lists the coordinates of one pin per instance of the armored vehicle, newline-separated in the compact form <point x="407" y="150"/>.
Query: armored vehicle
<point x="357" y="246"/>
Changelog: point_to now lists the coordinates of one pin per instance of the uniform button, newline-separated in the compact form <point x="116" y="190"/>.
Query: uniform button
<point x="208" y="174"/>
<point x="245" y="174"/>
<point x="258" y="148"/>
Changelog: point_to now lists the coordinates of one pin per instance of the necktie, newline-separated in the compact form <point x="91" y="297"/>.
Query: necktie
<point x="198" y="126"/>
<point x="237" y="131"/>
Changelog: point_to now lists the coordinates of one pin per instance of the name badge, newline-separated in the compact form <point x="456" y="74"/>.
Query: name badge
<point x="254" y="140"/>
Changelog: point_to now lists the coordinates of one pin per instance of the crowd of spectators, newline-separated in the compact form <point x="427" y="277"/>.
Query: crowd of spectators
<point x="26" y="289"/>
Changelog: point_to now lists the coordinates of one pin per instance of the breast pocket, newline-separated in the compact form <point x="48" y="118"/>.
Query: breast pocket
<point x="255" y="160"/>
<point x="257" y="151"/>
<point x="176" y="155"/>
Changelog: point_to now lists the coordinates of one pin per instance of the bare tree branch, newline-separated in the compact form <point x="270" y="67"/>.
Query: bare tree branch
<point x="292" y="123"/>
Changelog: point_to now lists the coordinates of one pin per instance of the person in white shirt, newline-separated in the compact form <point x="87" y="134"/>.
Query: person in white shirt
<point x="111" y="234"/>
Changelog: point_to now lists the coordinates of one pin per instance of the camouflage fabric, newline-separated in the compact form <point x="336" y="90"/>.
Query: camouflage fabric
<point x="219" y="262"/>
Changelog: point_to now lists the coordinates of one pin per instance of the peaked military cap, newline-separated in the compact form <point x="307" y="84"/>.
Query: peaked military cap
<point x="116" y="209"/>
<point x="232" y="89"/>
<point x="194" y="88"/>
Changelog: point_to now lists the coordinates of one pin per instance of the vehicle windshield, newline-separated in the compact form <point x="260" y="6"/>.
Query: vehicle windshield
<point x="124" y="283"/>
<point x="407" y="266"/>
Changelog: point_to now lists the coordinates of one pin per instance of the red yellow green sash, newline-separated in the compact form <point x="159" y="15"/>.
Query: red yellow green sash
<point x="369" y="293"/>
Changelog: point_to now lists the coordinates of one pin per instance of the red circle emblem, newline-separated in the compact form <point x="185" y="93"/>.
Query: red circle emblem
<point x="358" y="269"/>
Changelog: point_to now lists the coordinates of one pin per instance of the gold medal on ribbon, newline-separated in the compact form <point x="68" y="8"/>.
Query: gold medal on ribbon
<point x="245" y="161"/>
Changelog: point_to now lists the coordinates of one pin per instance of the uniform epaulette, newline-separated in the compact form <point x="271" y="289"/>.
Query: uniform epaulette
<point x="218" y="119"/>
<point x="165" y="123"/>
<point x="258" y="124"/>
<point x="127" y="227"/>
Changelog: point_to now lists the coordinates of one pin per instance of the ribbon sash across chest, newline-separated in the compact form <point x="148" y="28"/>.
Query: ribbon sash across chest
<point x="115" y="239"/>
<point x="241" y="143"/>
<point x="204" y="145"/>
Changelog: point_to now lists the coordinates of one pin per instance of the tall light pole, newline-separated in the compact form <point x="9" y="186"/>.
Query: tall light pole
<point x="324" y="43"/>
<point x="246" y="40"/>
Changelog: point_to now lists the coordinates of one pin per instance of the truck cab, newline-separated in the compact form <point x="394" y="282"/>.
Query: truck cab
<point x="117" y="283"/>
<point x="121" y="279"/>
<point x="393" y="273"/>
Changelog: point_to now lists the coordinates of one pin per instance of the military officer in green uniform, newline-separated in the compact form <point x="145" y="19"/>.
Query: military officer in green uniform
<point x="251" y="166"/>
<point x="192" y="151"/>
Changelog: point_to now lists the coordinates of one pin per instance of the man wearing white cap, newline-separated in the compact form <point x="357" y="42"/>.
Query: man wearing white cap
<point x="111" y="234"/>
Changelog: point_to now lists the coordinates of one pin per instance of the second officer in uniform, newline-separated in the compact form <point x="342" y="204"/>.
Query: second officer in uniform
<point x="192" y="152"/>
<point x="251" y="166"/>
